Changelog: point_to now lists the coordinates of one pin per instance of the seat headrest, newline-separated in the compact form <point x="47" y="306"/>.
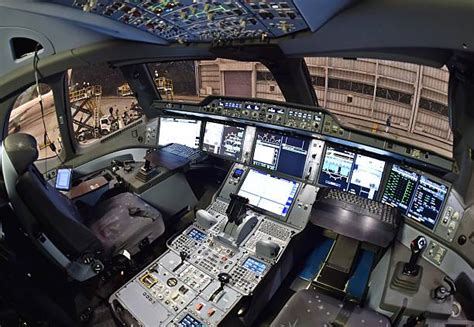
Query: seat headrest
<point x="22" y="150"/>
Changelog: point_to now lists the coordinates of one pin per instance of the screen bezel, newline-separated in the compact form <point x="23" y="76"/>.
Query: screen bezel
<point x="269" y="130"/>
<point x="356" y="152"/>
<point x="430" y="176"/>
<point x="239" y="159"/>
<point x="266" y="212"/>
<point x="70" y="178"/>
<point x="201" y="135"/>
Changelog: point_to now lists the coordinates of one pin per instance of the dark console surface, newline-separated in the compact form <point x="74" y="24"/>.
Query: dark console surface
<point x="356" y="217"/>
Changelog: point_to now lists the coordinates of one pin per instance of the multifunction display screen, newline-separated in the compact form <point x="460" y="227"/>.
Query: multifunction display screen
<point x="224" y="140"/>
<point x="415" y="195"/>
<point x="269" y="192"/>
<point x="285" y="154"/>
<point x="348" y="171"/>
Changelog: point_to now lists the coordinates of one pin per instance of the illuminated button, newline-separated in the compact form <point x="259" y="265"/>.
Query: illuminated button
<point x="174" y="296"/>
<point x="211" y="312"/>
<point x="199" y="306"/>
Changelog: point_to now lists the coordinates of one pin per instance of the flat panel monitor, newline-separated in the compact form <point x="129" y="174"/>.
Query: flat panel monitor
<point x="348" y="171"/>
<point x="427" y="202"/>
<point x="366" y="176"/>
<point x="178" y="130"/>
<point x="417" y="196"/>
<point x="400" y="188"/>
<point x="285" y="154"/>
<point x="224" y="140"/>
<point x="271" y="193"/>
<point x="337" y="167"/>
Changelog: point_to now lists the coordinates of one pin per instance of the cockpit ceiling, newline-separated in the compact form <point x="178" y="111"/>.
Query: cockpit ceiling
<point x="184" y="21"/>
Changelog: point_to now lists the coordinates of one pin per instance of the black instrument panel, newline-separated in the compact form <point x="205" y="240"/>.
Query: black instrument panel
<point x="347" y="166"/>
<point x="305" y="120"/>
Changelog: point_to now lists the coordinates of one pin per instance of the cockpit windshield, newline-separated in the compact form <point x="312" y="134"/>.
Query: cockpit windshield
<point x="403" y="101"/>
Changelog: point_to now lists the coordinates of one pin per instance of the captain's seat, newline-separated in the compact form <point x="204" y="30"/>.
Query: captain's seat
<point x="79" y="244"/>
<point x="313" y="308"/>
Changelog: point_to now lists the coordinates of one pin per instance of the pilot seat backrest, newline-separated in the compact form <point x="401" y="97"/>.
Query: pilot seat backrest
<point x="48" y="217"/>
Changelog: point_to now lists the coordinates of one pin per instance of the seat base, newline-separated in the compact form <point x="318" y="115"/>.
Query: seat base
<point x="126" y="222"/>
<point x="313" y="309"/>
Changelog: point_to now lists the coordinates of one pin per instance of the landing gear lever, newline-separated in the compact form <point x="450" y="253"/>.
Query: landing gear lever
<point x="224" y="278"/>
<point x="417" y="246"/>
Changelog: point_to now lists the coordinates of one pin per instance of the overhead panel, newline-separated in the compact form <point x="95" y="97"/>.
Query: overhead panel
<point x="186" y="21"/>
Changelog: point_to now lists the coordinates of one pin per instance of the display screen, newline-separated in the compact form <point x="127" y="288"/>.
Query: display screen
<point x="366" y="176"/>
<point x="285" y="154"/>
<point x="268" y="192"/>
<point x="63" y="179"/>
<point x="224" y="140"/>
<point x="417" y="196"/>
<point x="255" y="266"/>
<point x="197" y="235"/>
<point x="348" y="171"/>
<point x="190" y="321"/>
<point x="427" y="202"/>
<point x="183" y="131"/>
<point x="400" y="187"/>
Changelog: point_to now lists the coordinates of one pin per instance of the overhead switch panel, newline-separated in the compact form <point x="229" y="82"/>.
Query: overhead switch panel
<point x="188" y="21"/>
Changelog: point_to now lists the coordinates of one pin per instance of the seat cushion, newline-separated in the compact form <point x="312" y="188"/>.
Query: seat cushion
<point x="312" y="308"/>
<point x="124" y="221"/>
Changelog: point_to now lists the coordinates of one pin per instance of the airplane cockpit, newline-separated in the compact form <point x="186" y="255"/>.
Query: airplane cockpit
<point x="236" y="163"/>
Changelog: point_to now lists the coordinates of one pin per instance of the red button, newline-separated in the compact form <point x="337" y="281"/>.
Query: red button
<point x="199" y="306"/>
<point x="210" y="312"/>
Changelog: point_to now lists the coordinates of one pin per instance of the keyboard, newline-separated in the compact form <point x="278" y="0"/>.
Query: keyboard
<point x="356" y="217"/>
<point x="363" y="206"/>
<point x="183" y="151"/>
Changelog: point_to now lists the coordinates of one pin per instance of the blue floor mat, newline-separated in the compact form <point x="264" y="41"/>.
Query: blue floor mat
<point x="316" y="258"/>
<point x="360" y="277"/>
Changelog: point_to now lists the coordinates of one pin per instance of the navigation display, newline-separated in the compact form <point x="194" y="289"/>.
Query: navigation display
<point x="366" y="176"/>
<point x="417" y="196"/>
<point x="182" y="131"/>
<point x="285" y="154"/>
<point x="254" y="266"/>
<point x="269" y="192"/>
<point x="225" y="140"/>
<point x="348" y="171"/>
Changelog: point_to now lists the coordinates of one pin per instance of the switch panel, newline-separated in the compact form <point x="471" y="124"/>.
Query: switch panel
<point x="435" y="253"/>
<point x="151" y="132"/>
<point x="450" y="219"/>
<point x="186" y="21"/>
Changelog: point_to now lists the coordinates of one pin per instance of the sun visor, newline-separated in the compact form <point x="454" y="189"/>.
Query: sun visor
<point x="317" y="12"/>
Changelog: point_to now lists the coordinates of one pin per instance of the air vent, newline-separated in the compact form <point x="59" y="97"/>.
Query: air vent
<point x="23" y="47"/>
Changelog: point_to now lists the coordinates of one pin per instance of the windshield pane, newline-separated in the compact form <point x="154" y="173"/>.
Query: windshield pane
<point x="194" y="80"/>
<point x="398" y="100"/>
